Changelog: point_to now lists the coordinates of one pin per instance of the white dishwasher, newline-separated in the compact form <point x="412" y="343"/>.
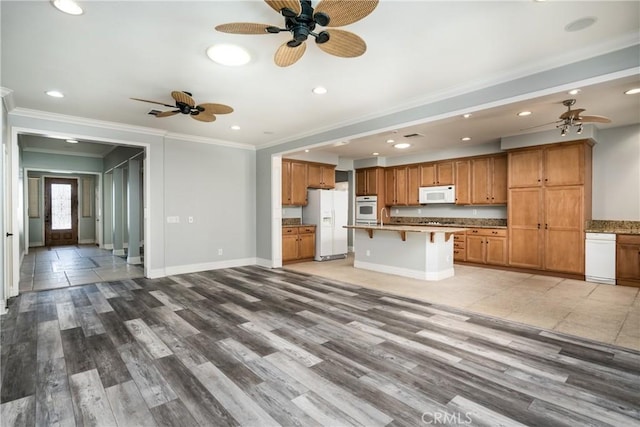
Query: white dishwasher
<point x="600" y="258"/>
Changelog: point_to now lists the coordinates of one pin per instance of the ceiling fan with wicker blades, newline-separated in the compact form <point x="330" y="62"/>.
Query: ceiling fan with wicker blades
<point x="301" y="19"/>
<point x="185" y="104"/>
<point x="573" y="118"/>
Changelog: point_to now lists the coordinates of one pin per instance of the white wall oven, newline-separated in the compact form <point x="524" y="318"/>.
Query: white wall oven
<point x="366" y="210"/>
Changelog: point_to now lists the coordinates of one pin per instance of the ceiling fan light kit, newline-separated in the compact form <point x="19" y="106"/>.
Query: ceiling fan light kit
<point x="300" y="20"/>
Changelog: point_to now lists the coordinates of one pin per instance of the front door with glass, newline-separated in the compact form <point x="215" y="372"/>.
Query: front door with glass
<point x="61" y="211"/>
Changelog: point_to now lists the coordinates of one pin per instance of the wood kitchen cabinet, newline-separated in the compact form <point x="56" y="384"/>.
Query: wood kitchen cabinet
<point x="551" y="165"/>
<point x="463" y="182"/>
<point x="489" y="180"/>
<point x="369" y="181"/>
<point x="321" y="175"/>
<point x="438" y="173"/>
<point x="298" y="243"/>
<point x="294" y="183"/>
<point x="628" y="260"/>
<point x="413" y="185"/>
<point x="459" y="246"/>
<point x="487" y="246"/>
<point x="395" y="186"/>
<point x="549" y="202"/>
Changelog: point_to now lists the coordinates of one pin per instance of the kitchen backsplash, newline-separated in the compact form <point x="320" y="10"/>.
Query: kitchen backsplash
<point x="450" y="211"/>
<point x="485" y="222"/>
<point x="604" y="226"/>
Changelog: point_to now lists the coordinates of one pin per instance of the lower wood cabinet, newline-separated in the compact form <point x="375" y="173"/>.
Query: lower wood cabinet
<point x="486" y="246"/>
<point x="298" y="243"/>
<point x="628" y="260"/>
<point x="459" y="246"/>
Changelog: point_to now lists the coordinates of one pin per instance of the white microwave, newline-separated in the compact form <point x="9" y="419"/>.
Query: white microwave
<point x="438" y="194"/>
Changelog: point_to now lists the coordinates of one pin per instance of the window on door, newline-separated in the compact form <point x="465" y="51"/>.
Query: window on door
<point x="60" y="206"/>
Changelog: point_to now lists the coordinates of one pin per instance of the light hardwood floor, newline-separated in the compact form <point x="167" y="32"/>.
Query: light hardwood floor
<point x="258" y="347"/>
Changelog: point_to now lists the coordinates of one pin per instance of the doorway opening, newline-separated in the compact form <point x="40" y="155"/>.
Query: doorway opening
<point x="61" y="212"/>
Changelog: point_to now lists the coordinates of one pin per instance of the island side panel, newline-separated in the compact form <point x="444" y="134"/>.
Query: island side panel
<point x="416" y="257"/>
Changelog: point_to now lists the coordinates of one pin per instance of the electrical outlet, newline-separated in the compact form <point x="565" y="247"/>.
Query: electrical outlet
<point x="475" y="211"/>
<point x="368" y="252"/>
<point x="397" y="210"/>
<point x="419" y="211"/>
<point x="190" y="220"/>
<point x="173" y="219"/>
<point x="220" y="251"/>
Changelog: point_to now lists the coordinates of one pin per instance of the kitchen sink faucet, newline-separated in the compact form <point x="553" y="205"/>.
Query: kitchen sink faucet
<point x="382" y="216"/>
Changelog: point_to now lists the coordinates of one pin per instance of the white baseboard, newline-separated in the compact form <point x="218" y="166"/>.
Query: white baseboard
<point x="108" y="246"/>
<point x="118" y="252"/>
<point x="263" y="262"/>
<point x="405" y="272"/>
<point x="86" y="241"/>
<point x="36" y="244"/>
<point x="134" y="260"/>
<point x="156" y="273"/>
<point x="194" y="268"/>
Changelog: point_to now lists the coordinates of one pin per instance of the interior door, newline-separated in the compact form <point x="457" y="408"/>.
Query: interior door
<point x="61" y="211"/>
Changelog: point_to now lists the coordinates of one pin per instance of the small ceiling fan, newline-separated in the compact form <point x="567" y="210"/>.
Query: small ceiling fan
<point x="573" y="118"/>
<point x="300" y="19"/>
<point x="185" y="104"/>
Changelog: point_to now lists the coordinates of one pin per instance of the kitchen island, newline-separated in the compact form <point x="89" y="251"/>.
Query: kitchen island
<point x="419" y="252"/>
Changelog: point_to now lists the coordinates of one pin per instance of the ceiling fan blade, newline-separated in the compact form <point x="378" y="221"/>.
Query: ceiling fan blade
<point x="167" y="113"/>
<point x="594" y="119"/>
<point x="153" y="102"/>
<point x="243" y="28"/>
<point x="183" y="97"/>
<point x="204" y="117"/>
<point x="344" y="44"/>
<point x="278" y="5"/>
<point x="286" y="55"/>
<point x="345" y="12"/>
<point x="571" y="113"/>
<point x="544" y="124"/>
<point x="210" y="108"/>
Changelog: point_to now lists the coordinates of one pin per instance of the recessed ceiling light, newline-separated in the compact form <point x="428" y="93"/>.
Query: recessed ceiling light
<point x="306" y="151"/>
<point x="390" y="141"/>
<point x="466" y="116"/>
<point x="68" y="6"/>
<point x="72" y="141"/>
<point x="376" y="154"/>
<point x="574" y="92"/>
<point x="580" y="24"/>
<point x="524" y="113"/>
<point x="402" y="145"/>
<point x="230" y="55"/>
<point x="55" y="93"/>
<point x="633" y="91"/>
<point x="235" y="127"/>
<point x="319" y="90"/>
<point x="466" y="138"/>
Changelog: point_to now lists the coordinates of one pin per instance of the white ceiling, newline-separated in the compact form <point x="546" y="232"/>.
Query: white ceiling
<point x="418" y="52"/>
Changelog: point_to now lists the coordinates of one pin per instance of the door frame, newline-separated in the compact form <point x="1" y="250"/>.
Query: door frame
<point x="13" y="167"/>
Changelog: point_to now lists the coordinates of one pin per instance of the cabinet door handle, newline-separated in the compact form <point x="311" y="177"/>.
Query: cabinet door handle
<point x="546" y="226"/>
<point x="538" y="226"/>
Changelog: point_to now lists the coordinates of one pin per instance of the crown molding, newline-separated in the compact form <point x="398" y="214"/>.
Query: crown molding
<point x="210" y="141"/>
<point x="63" y="153"/>
<point x="7" y="98"/>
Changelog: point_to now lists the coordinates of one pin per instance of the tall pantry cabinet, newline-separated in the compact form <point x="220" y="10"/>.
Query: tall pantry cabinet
<point x="549" y="202"/>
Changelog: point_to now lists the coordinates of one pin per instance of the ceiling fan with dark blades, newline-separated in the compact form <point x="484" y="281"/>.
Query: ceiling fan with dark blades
<point x="300" y="19"/>
<point x="572" y="118"/>
<point x="185" y="104"/>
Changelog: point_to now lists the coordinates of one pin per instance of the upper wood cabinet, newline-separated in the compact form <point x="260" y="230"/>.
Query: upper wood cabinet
<point x="413" y="185"/>
<point x="369" y="181"/>
<point x="321" y="175"/>
<point x="439" y="173"/>
<point x="395" y="185"/>
<point x="463" y="182"/>
<point x="294" y="183"/>
<point x="489" y="180"/>
<point x="557" y="164"/>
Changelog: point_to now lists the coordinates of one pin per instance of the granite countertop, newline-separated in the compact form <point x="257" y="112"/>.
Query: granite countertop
<point x="450" y="222"/>
<point x="410" y="228"/>
<point x="615" y="227"/>
<point x="453" y="224"/>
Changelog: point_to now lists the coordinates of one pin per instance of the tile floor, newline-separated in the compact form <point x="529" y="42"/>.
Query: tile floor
<point x="60" y="266"/>
<point x="605" y="313"/>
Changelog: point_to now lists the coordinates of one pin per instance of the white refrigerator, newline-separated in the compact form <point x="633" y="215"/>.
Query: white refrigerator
<point x="328" y="210"/>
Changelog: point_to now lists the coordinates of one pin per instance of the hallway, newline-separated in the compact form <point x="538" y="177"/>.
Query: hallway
<point x="62" y="266"/>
